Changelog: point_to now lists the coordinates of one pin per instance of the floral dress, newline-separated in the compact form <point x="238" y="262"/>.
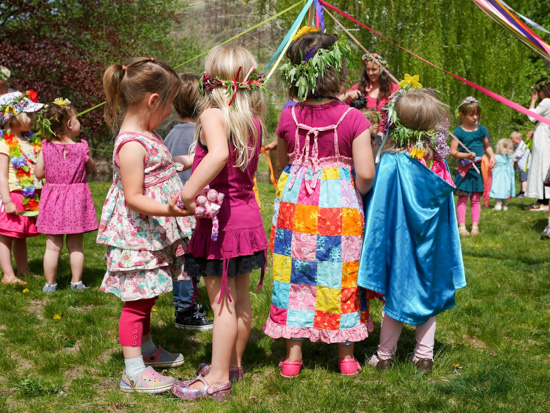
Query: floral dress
<point x="144" y="252"/>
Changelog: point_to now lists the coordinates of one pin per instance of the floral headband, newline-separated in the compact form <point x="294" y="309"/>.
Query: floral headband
<point x="373" y="117"/>
<point x="44" y="124"/>
<point x="14" y="103"/>
<point x="305" y="30"/>
<point x="305" y="74"/>
<point x="413" y="139"/>
<point x="5" y="73"/>
<point x="252" y="81"/>
<point x="540" y="84"/>
<point x="466" y="102"/>
<point x="374" y="58"/>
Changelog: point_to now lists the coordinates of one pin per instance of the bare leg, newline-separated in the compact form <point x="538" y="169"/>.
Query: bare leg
<point x="243" y="310"/>
<point x="5" y="261"/>
<point x="20" y="255"/>
<point x="76" y="256"/>
<point x="345" y="351"/>
<point x="54" y="245"/>
<point x="294" y="350"/>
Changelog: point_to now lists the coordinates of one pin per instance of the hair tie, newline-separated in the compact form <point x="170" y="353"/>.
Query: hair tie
<point x="123" y="68"/>
<point x="152" y="59"/>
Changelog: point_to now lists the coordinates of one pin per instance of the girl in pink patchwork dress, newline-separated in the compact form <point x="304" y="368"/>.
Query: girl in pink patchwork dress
<point x="318" y="220"/>
<point x="145" y="232"/>
<point x="66" y="206"/>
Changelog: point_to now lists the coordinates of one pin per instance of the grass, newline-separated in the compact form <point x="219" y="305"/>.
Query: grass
<point x="61" y="354"/>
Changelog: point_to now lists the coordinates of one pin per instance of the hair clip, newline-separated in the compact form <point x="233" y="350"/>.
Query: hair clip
<point x="152" y="59"/>
<point x="123" y="68"/>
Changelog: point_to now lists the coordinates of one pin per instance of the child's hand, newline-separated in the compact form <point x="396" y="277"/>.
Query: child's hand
<point x="471" y="156"/>
<point x="492" y="162"/>
<point x="174" y="211"/>
<point x="10" y="208"/>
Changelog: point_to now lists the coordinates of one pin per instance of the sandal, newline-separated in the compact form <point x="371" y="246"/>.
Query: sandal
<point x="235" y="373"/>
<point x="14" y="281"/>
<point x="184" y="391"/>
<point x="290" y="369"/>
<point x="349" y="367"/>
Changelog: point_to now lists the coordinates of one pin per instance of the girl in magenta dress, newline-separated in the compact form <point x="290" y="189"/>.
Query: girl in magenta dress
<point x="67" y="206"/>
<point x="228" y="139"/>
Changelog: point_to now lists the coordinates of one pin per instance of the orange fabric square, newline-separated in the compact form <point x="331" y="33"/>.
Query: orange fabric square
<point x="352" y="222"/>
<point x="305" y="219"/>
<point x="330" y="221"/>
<point x="349" y="274"/>
<point x="285" y="220"/>
<point x="365" y="317"/>
<point x="326" y="321"/>
<point x="272" y="238"/>
<point x="350" y="300"/>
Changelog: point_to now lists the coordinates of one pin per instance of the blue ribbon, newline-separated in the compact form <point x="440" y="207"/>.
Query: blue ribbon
<point x="292" y="29"/>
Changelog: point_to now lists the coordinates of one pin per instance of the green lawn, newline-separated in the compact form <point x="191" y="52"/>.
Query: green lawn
<point x="492" y="350"/>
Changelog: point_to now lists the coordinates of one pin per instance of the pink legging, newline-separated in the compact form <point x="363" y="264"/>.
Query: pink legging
<point x="391" y="330"/>
<point x="135" y="322"/>
<point x="461" y="207"/>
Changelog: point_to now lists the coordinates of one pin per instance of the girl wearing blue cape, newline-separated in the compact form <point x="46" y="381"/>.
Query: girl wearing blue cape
<point x="411" y="250"/>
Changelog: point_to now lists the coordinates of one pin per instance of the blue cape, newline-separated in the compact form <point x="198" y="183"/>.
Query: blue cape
<point x="411" y="250"/>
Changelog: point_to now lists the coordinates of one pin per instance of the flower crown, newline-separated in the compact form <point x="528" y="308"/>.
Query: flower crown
<point x="370" y="58"/>
<point x="373" y="117"/>
<point x="252" y="81"/>
<point x="414" y="139"/>
<point x="305" y="74"/>
<point x="44" y="124"/>
<point x="540" y="84"/>
<point x="466" y="102"/>
<point x="17" y="102"/>
<point x="305" y="30"/>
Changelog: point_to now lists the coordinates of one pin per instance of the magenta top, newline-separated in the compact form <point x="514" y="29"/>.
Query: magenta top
<point x="322" y="116"/>
<point x="377" y="104"/>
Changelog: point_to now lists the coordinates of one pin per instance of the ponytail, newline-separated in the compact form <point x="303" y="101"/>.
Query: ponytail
<point x="112" y="80"/>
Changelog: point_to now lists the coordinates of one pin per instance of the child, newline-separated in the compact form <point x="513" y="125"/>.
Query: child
<point x="521" y="155"/>
<point x="189" y="314"/>
<point x="145" y="243"/>
<point x="19" y="187"/>
<point x="66" y="206"/>
<point x="374" y="118"/>
<point x="504" y="181"/>
<point x="469" y="182"/>
<point x="228" y="142"/>
<point x="411" y="253"/>
<point x="318" y="220"/>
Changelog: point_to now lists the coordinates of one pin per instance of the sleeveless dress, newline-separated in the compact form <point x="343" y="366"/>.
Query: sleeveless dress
<point x="468" y="180"/>
<point x="317" y="231"/>
<point x="504" y="178"/>
<point x="143" y="252"/>
<point x="242" y="242"/>
<point x="66" y="204"/>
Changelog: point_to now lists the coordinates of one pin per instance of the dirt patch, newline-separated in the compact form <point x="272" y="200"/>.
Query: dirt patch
<point x="474" y="342"/>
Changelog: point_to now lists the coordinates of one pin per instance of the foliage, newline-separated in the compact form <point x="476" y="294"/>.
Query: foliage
<point x="61" y="47"/>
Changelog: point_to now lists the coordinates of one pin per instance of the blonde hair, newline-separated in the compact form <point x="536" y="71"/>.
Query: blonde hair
<point x="419" y="109"/>
<point x="19" y="120"/>
<point x="126" y="86"/>
<point x="505" y="147"/>
<point x="516" y="135"/>
<point x="224" y="62"/>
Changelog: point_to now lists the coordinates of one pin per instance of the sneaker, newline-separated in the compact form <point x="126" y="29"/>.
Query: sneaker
<point x="148" y="381"/>
<point x="49" y="288"/>
<point x="545" y="233"/>
<point x="498" y="207"/>
<point x="505" y="207"/>
<point x="521" y="195"/>
<point x="193" y="319"/>
<point x="79" y="286"/>
<point x="163" y="359"/>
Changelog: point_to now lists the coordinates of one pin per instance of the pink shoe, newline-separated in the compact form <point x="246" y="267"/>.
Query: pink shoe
<point x="148" y="381"/>
<point x="235" y="373"/>
<point x="163" y="359"/>
<point x="290" y="369"/>
<point x="349" y="367"/>
<point x="184" y="391"/>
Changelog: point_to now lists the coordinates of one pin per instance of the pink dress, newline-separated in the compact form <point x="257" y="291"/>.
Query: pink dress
<point x="66" y="204"/>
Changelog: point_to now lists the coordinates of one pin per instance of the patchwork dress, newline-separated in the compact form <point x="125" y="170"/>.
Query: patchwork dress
<point x="144" y="252"/>
<point x="317" y="229"/>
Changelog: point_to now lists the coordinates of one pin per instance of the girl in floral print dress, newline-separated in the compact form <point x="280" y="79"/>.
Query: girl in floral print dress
<point x="145" y="232"/>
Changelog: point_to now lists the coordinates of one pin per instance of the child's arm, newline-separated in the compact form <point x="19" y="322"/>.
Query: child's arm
<point x="185" y="160"/>
<point x="40" y="168"/>
<point x="131" y="157"/>
<point x="9" y="206"/>
<point x="215" y="138"/>
<point x="489" y="152"/>
<point x="461" y="155"/>
<point x="282" y="152"/>
<point x="363" y="162"/>
<point x="90" y="165"/>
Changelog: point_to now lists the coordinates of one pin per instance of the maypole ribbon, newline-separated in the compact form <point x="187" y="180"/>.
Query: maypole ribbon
<point x="206" y="52"/>
<point x="528" y="20"/>
<point x="499" y="12"/>
<point x="288" y="38"/>
<point x="319" y="17"/>
<point x="489" y="93"/>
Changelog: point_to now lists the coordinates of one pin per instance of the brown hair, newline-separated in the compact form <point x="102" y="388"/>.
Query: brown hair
<point x="419" y="109"/>
<point x="127" y="85"/>
<point x="468" y="108"/>
<point x="58" y="117"/>
<point x="307" y="45"/>
<point x="187" y="97"/>
<point x="546" y="90"/>
<point x="385" y="80"/>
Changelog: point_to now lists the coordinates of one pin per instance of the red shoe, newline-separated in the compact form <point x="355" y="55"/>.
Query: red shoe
<point x="349" y="367"/>
<point x="290" y="369"/>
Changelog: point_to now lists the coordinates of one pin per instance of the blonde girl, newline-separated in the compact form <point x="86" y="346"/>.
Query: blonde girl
<point x="504" y="176"/>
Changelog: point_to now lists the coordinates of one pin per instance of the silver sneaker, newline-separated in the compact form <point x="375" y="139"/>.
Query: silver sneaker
<point x="546" y="233"/>
<point x="49" y="288"/>
<point x="79" y="287"/>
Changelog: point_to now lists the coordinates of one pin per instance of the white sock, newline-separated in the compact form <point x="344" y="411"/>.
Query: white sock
<point x="77" y="283"/>
<point x="134" y="367"/>
<point x="549" y="220"/>
<point x="148" y="347"/>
